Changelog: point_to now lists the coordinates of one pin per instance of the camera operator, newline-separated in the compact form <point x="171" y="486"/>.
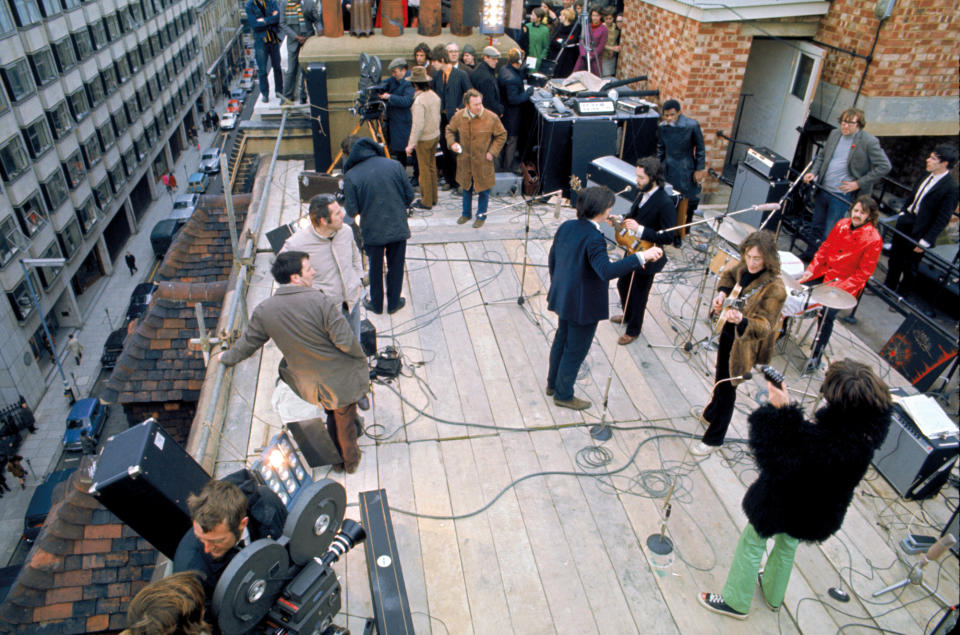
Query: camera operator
<point x="227" y="515"/>
<point x="807" y="471"/>
<point x="398" y="95"/>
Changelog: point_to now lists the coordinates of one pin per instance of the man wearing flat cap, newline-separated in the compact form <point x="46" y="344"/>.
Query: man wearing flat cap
<point x="399" y="99"/>
<point x="484" y="79"/>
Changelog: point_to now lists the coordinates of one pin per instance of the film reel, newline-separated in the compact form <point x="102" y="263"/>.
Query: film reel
<point x="250" y="585"/>
<point x="314" y="520"/>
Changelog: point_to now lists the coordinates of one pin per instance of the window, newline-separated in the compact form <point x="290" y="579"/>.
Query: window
<point x="107" y="137"/>
<point x="98" y="32"/>
<point x="26" y="12"/>
<point x="126" y="19"/>
<point x="38" y="137"/>
<point x="49" y="7"/>
<point x="65" y="53"/>
<point x="13" y="159"/>
<point x="73" y="169"/>
<point x="54" y="190"/>
<point x="21" y="301"/>
<point x="95" y="91"/>
<point x="133" y="57"/>
<point x="141" y="146"/>
<point x="801" y="79"/>
<point x="59" y="119"/>
<point x="18" y="80"/>
<point x="6" y="20"/>
<point x="11" y="240"/>
<point x="130" y="161"/>
<point x="131" y="109"/>
<point x="102" y="193"/>
<point x="122" y="66"/>
<point x="91" y="150"/>
<point x="117" y="177"/>
<point x="155" y="47"/>
<point x="136" y="12"/>
<point x="44" y="66"/>
<point x="153" y="84"/>
<point x="83" y="43"/>
<point x="87" y="214"/>
<point x="143" y="99"/>
<point x="70" y="238"/>
<point x="79" y="105"/>
<point x="109" y="78"/>
<point x="49" y="274"/>
<point x="113" y="26"/>
<point x="32" y="215"/>
<point x="144" y="51"/>
<point x="70" y="4"/>
<point x="119" y="122"/>
<point x="3" y="99"/>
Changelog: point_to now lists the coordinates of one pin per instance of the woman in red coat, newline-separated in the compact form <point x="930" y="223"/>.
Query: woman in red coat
<point x="846" y="260"/>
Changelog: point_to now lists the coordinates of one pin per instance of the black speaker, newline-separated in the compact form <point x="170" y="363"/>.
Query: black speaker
<point x="144" y="477"/>
<point x="368" y="338"/>
<point x="640" y="137"/>
<point x="752" y="188"/>
<point x="315" y="443"/>
<point x="591" y="138"/>
<point x="915" y="466"/>
<point x="316" y="78"/>
<point x="277" y="237"/>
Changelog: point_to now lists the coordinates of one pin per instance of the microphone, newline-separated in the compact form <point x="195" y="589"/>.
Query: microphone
<point x="767" y="207"/>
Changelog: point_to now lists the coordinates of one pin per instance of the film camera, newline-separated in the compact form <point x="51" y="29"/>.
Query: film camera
<point x="286" y="585"/>
<point x="368" y="105"/>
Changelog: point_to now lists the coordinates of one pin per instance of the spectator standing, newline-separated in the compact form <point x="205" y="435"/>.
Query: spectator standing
<point x="425" y="136"/>
<point x="468" y="59"/>
<point x="563" y="43"/>
<point x="484" y="80"/>
<point x="399" y="98"/>
<point x="16" y="469"/>
<point x="477" y="136"/>
<point x="27" y="420"/>
<point x="131" y="261"/>
<point x="450" y="84"/>
<point x="173" y="181"/>
<point x="682" y="152"/>
<point x="301" y="20"/>
<point x="514" y="98"/>
<point x="263" y="17"/>
<point x="538" y="35"/>
<point x="87" y="444"/>
<point x="75" y="348"/>
<point x="612" y="50"/>
<point x="598" y="39"/>
<point x="376" y="189"/>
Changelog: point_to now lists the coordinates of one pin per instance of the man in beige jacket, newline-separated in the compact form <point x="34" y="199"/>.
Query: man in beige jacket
<point x="425" y="135"/>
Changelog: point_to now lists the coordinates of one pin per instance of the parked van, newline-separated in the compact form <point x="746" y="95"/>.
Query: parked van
<point x="198" y="182"/>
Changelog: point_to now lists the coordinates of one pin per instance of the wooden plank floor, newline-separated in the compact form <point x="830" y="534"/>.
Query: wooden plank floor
<point x="510" y="518"/>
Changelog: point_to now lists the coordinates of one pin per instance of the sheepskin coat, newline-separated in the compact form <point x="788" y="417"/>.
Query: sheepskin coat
<point x="808" y="470"/>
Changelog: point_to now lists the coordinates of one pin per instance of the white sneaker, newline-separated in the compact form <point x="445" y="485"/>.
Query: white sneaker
<point x="702" y="449"/>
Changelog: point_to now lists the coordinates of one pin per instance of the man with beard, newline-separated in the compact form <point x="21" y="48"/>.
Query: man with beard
<point x="650" y="214"/>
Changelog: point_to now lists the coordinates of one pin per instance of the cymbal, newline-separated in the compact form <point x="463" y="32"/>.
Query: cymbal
<point x="832" y="297"/>
<point x="790" y="282"/>
<point x="731" y="230"/>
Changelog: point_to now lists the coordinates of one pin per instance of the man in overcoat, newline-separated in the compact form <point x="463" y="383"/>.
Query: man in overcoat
<point x="682" y="152"/>
<point x="477" y="136"/>
<point x="323" y="361"/>
<point x="301" y="19"/>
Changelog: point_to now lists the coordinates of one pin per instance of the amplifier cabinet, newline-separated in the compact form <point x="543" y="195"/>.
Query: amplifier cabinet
<point x="753" y="188"/>
<point x="144" y="477"/>
<point x="768" y="163"/>
<point x="915" y="466"/>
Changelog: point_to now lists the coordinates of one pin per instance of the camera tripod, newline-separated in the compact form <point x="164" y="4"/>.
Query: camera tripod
<point x="376" y="132"/>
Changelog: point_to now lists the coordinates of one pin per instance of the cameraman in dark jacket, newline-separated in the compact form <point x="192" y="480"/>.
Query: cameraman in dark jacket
<point x="377" y="189"/>
<point x="398" y="95"/>
<point x="807" y="473"/>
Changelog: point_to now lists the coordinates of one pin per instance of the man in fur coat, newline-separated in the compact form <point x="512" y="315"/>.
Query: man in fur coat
<point x="748" y="334"/>
<point x="807" y="473"/>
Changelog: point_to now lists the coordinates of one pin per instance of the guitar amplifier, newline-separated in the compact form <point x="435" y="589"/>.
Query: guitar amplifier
<point x="768" y="163"/>
<point x="915" y="466"/>
<point x="617" y="175"/>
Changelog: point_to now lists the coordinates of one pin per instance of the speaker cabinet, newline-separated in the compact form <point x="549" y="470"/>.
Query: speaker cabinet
<point x="144" y="477"/>
<point x="915" y="466"/>
<point x="316" y="78"/>
<point x="752" y="188"/>
<point x="591" y="138"/>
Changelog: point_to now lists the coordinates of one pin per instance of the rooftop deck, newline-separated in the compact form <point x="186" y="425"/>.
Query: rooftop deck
<point x="510" y="518"/>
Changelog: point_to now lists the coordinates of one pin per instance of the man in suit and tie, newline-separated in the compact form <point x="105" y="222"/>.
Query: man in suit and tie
<point x="849" y="164"/>
<point x="651" y="213"/>
<point x="449" y="83"/>
<point x="322" y="358"/>
<point x="579" y="276"/>
<point x="923" y="217"/>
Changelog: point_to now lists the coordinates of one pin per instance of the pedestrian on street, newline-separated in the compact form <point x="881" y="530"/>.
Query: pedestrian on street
<point x="165" y="178"/>
<point x="3" y="477"/>
<point x="131" y="263"/>
<point x="27" y="420"/>
<point x="87" y="444"/>
<point x="75" y="348"/>
<point x="173" y="181"/>
<point x="17" y="470"/>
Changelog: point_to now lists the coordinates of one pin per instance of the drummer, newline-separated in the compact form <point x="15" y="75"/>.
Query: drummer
<point x="845" y="260"/>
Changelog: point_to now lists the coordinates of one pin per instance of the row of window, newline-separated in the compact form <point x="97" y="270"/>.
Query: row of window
<point x="32" y="215"/>
<point x="45" y="65"/>
<point x="21" y="13"/>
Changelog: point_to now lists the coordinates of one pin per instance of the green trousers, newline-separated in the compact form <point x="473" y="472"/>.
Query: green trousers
<point x="738" y="591"/>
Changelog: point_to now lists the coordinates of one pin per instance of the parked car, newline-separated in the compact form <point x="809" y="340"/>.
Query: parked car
<point x="239" y="93"/>
<point x="246" y="84"/>
<point x="140" y="299"/>
<point x="87" y="414"/>
<point x="250" y="71"/>
<point x="40" y="503"/>
<point x="228" y="121"/>
<point x="162" y="235"/>
<point x="233" y="105"/>
<point x="209" y="161"/>
<point x="198" y="182"/>
<point x="113" y="347"/>
<point x="184" y="204"/>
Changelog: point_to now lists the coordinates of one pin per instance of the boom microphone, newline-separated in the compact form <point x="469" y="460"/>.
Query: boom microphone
<point x="623" y="82"/>
<point x="767" y="207"/>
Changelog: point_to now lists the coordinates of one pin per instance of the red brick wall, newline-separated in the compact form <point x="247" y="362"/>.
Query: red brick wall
<point x="916" y="52"/>
<point x="701" y="65"/>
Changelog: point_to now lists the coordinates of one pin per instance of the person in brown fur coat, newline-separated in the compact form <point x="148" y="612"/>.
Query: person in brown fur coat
<point x="748" y="334"/>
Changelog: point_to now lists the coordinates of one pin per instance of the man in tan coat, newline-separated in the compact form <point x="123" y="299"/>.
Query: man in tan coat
<point x="323" y="361"/>
<point x="477" y="136"/>
<point x="425" y="135"/>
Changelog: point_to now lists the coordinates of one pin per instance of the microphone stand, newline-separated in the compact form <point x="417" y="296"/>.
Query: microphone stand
<point x="781" y="201"/>
<point x="659" y="543"/>
<point x="586" y="36"/>
<point x="526" y="240"/>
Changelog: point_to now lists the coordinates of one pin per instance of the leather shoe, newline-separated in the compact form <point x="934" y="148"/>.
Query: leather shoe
<point x="477" y="224"/>
<point x="617" y="319"/>
<point x="626" y="339"/>
<point x="462" y="220"/>
<point x="549" y="391"/>
<point x="702" y="449"/>
<point x="573" y="403"/>
<point x="402" y="303"/>
<point x="369" y="307"/>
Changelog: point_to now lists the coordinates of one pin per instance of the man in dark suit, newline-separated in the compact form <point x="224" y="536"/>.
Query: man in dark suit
<point x="579" y="275"/>
<point x="323" y="360"/>
<point x="484" y="80"/>
<point x="652" y="212"/>
<point x="450" y="84"/>
<point x="849" y="164"/>
<point x="514" y="100"/>
<point x="681" y="150"/>
<point x="928" y="211"/>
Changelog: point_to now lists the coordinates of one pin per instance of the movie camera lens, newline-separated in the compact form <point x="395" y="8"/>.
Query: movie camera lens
<point x="351" y="532"/>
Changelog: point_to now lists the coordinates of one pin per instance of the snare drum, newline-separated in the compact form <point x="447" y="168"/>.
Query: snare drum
<point x="790" y="264"/>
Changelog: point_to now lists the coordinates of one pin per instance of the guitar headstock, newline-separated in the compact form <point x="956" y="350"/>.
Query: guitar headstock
<point x="575" y="184"/>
